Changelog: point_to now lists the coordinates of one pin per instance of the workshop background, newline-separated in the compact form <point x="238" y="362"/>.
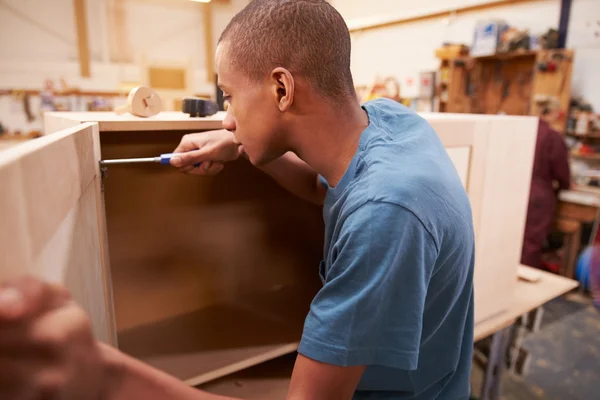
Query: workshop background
<point x="515" y="57"/>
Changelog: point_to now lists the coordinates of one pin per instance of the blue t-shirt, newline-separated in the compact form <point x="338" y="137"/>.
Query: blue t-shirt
<point x="397" y="273"/>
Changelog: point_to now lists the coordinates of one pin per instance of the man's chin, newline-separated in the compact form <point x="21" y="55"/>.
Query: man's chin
<point x="261" y="161"/>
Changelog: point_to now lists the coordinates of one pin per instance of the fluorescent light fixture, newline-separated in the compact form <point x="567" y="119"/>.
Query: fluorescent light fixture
<point x="202" y="1"/>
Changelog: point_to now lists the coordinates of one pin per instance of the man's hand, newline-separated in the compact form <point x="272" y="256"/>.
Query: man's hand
<point x="211" y="149"/>
<point x="47" y="349"/>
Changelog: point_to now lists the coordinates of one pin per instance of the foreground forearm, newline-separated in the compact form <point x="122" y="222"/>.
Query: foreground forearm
<point x="132" y="379"/>
<point x="294" y="175"/>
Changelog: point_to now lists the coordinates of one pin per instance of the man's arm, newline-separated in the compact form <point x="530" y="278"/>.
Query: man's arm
<point x="214" y="148"/>
<point x="311" y="380"/>
<point x="129" y="379"/>
<point x="294" y="175"/>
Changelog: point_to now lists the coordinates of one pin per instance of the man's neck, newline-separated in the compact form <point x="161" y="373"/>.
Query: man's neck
<point x="328" y="138"/>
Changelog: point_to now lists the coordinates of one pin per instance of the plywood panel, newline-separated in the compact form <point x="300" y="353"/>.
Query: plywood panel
<point x="460" y="156"/>
<point x="203" y="345"/>
<point x="180" y="243"/>
<point x="111" y="122"/>
<point x="267" y="381"/>
<point x="509" y="161"/>
<point x="50" y="227"/>
<point x="499" y="174"/>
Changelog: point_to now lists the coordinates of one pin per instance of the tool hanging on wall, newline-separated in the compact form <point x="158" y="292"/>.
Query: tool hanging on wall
<point x="27" y="108"/>
<point x="141" y="102"/>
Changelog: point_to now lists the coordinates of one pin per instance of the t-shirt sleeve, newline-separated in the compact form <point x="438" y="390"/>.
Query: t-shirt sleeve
<point x="370" y="309"/>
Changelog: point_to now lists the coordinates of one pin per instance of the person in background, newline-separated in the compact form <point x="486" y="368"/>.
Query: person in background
<point x="551" y="173"/>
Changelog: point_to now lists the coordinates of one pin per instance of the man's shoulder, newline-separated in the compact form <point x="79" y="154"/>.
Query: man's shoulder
<point x="433" y="196"/>
<point x="395" y="118"/>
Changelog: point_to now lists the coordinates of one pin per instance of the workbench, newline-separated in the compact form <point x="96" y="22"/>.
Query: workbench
<point x="575" y="208"/>
<point x="270" y="381"/>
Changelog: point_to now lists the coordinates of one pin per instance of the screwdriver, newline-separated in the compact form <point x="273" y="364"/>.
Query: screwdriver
<point x="164" y="159"/>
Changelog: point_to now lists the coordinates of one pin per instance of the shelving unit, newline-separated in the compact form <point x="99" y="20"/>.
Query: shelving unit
<point x="516" y="83"/>
<point x="586" y="156"/>
<point x="591" y="136"/>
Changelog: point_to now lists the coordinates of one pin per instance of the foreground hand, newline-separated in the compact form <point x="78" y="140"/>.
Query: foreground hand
<point x="47" y="349"/>
<point x="211" y="149"/>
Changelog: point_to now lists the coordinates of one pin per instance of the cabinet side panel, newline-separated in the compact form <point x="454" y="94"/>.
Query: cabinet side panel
<point x="461" y="157"/>
<point x="54" y="123"/>
<point x="51" y="229"/>
<point x="509" y="161"/>
<point x="111" y="325"/>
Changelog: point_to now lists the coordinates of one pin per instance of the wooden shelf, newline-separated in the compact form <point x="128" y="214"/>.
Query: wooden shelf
<point x="216" y="341"/>
<point x="267" y="381"/>
<point x="508" y="56"/>
<point x="595" y="135"/>
<point x="586" y="156"/>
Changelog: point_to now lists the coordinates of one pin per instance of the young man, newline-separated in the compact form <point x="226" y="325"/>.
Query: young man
<point x="394" y="318"/>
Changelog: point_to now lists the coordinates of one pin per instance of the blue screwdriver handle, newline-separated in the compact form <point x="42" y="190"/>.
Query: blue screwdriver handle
<point x="165" y="159"/>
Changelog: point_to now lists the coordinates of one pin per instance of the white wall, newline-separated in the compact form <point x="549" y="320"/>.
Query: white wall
<point x="404" y="50"/>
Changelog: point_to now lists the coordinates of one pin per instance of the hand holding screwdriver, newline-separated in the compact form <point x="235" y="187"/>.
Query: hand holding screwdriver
<point x="212" y="149"/>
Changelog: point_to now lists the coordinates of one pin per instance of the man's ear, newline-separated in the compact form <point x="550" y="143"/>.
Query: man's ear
<point x="283" y="84"/>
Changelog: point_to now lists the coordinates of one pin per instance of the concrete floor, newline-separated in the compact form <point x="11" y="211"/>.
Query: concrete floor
<point x="565" y="355"/>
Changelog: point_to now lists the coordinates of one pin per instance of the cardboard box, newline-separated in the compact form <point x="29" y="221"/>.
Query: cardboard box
<point x="487" y="37"/>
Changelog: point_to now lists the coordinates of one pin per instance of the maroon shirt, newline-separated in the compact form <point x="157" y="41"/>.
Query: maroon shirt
<point x="551" y="164"/>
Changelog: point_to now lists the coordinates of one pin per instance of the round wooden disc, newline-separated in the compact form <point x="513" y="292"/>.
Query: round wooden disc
<point x="143" y="102"/>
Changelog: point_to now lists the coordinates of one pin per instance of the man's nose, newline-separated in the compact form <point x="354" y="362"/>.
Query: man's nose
<point x="229" y="122"/>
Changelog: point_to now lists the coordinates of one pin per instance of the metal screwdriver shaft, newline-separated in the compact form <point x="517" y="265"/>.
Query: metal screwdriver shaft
<point x="131" y="160"/>
<point x="164" y="159"/>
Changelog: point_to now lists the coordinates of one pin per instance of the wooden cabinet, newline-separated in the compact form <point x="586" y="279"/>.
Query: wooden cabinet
<point x="494" y="158"/>
<point x="205" y="276"/>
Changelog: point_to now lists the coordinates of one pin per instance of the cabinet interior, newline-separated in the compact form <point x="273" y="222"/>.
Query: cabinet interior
<point x="210" y="275"/>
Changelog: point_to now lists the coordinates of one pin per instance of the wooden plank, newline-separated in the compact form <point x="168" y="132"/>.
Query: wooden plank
<point x="529" y="274"/>
<point x="56" y="122"/>
<point x="267" y="381"/>
<point x="579" y="212"/>
<point x="49" y="217"/>
<point x="209" y="47"/>
<point x="387" y="22"/>
<point x="508" y="164"/>
<point x="461" y="157"/>
<point x="509" y="56"/>
<point x="164" y="121"/>
<point x="577" y="196"/>
<point x="215" y="341"/>
<point x="502" y="151"/>
<point x="83" y="46"/>
<point x="120" y="48"/>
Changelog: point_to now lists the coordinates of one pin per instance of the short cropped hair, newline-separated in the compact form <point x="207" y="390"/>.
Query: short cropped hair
<point x="307" y="37"/>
